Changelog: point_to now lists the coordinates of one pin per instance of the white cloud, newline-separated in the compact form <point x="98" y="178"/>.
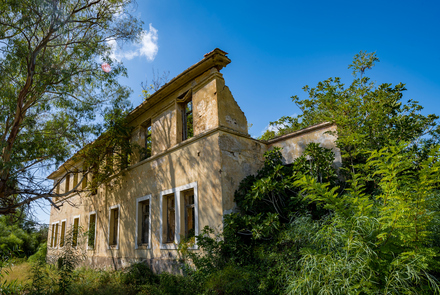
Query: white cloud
<point x="147" y="46"/>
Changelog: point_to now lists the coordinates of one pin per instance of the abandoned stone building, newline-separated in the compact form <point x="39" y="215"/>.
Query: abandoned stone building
<point x="185" y="183"/>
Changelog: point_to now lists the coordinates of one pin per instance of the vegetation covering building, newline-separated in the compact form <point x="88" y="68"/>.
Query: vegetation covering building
<point x="194" y="151"/>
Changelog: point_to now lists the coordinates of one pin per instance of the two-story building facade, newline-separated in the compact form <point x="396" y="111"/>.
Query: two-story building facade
<point x="197" y="151"/>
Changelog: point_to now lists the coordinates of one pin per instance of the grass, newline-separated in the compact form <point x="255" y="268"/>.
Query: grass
<point x="19" y="271"/>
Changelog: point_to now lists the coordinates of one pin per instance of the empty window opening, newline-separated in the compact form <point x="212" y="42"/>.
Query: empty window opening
<point x="67" y="181"/>
<point x="63" y="233"/>
<point x="114" y="221"/>
<point x="147" y="145"/>
<point x="56" y="235"/>
<point x="170" y="222"/>
<point x="84" y="178"/>
<point x="75" y="232"/>
<point x="52" y="235"/>
<point x="189" y="208"/>
<point x="75" y="180"/>
<point x="144" y="223"/>
<point x="187" y="121"/>
<point x="91" y="231"/>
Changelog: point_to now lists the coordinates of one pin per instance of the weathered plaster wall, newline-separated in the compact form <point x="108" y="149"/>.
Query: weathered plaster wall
<point x="191" y="161"/>
<point x="205" y="112"/>
<point x="240" y="157"/>
<point x="230" y="115"/>
<point x="293" y="145"/>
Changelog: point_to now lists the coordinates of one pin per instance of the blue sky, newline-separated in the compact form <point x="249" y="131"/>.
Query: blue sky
<point x="277" y="47"/>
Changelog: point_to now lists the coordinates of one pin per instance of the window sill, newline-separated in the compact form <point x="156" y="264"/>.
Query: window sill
<point x="143" y="247"/>
<point x="168" y="246"/>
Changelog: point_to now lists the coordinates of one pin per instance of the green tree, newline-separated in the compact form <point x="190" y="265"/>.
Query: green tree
<point x="368" y="116"/>
<point x="52" y="87"/>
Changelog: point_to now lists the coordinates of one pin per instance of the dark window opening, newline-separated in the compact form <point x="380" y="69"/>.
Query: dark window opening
<point x="75" y="232"/>
<point x="171" y="218"/>
<point x="67" y="182"/>
<point x="189" y="214"/>
<point x="147" y="140"/>
<point x="114" y="216"/>
<point x="144" y="222"/>
<point x="187" y="121"/>
<point x="91" y="233"/>
<point x="63" y="233"/>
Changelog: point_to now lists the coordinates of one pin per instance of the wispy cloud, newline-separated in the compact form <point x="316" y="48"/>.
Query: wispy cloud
<point x="147" y="46"/>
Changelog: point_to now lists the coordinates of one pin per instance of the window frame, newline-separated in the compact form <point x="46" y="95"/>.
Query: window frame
<point x="147" y="127"/>
<point x="73" y="230"/>
<point x="96" y="219"/>
<point x="118" y="206"/>
<point x="54" y="235"/>
<point x="178" y="194"/>
<point x="139" y="224"/>
<point x="63" y="234"/>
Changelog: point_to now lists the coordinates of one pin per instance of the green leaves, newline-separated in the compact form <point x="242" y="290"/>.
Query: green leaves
<point x="53" y="91"/>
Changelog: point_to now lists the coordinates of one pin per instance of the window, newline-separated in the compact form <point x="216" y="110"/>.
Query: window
<point x="186" y="114"/>
<point x="56" y="235"/>
<point x="67" y="183"/>
<point x="113" y="226"/>
<point x="84" y="177"/>
<point x="187" y="121"/>
<point x="63" y="232"/>
<point x="189" y="208"/>
<point x="75" y="231"/>
<point x="75" y="180"/>
<point x="143" y="222"/>
<point x="170" y="218"/>
<point x="146" y="129"/>
<point x="52" y="236"/>
<point x="91" y="234"/>
<point x="178" y="215"/>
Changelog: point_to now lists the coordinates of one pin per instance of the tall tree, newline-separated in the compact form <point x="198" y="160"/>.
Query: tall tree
<point x="53" y="86"/>
<point x="368" y="116"/>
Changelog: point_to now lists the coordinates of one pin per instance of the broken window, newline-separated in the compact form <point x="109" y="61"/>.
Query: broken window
<point x="84" y="178"/>
<point x="187" y="121"/>
<point x="91" y="231"/>
<point x="147" y="144"/>
<point x="52" y="235"/>
<point x="179" y="215"/>
<point x="63" y="233"/>
<point x="189" y="207"/>
<point x="75" y="231"/>
<point x="170" y="227"/>
<point x="75" y="180"/>
<point x="144" y="223"/>
<point x="114" y="222"/>
<point x="186" y="114"/>
<point x="67" y="183"/>
<point x="56" y="235"/>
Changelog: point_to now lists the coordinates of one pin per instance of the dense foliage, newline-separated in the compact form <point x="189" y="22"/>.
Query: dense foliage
<point x="52" y="87"/>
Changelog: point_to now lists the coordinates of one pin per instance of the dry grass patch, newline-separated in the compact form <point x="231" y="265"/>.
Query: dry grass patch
<point x="19" y="272"/>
